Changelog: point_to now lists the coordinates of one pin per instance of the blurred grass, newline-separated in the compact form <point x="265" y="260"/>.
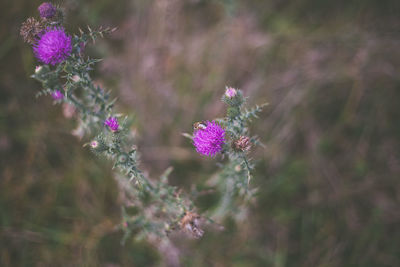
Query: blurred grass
<point x="328" y="178"/>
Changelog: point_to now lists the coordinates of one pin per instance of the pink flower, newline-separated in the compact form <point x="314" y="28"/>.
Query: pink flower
<point x="57" y="95"/>
<point x="112" y="123"/>
<point x="210" y="140"/>
<point x="230" y="92"/>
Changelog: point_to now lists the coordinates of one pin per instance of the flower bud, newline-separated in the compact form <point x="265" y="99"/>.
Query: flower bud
<point x="238" y="168"/>
<point x="76" y="78"/>
<point x="47" y="10"/>
<point x="38" y="69"/>
<point x="122" y="158"/>
<point x="98" y="145"/>
<point x="57" y="95"/>
<point x="94" y="144"/>
<point x="230" y="92"/>
<point x="233" y="97"/>
<point x="112" y="124"/>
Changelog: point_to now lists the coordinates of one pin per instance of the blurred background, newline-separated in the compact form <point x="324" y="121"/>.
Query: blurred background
<point x="328" y="178"/>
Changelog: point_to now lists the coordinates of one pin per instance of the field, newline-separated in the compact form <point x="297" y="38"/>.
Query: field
<point x="328" y="177"/>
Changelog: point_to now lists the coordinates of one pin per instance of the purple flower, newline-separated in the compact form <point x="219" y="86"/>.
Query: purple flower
<point x="210" y="140"/>
<point x="230" y="92"/>
<point x="53" y="47"/>
<point x="112" y="123"/>
<point x="47" y="10"/>
<point x="57" y="95"/>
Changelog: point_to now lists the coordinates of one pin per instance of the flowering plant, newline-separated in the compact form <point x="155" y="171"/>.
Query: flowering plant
<point x="229" y="136"/>
<point x="151" y="208"/>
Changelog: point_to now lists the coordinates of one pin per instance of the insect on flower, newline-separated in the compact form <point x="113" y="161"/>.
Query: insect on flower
<point x="53" y="47"/>
<point x="210" y="139"/>
<point x="200" y="125"/>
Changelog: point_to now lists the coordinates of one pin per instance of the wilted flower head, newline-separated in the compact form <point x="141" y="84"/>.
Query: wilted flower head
<point x="209" y="140"/>
<point x="57" y="95"/>
<point x="242" y="144"/>
<point x="190" y="223"/>
<point x="30" y="30"/>
<point x="230" y="92"/>
<point x="53" y="47"/>
<point x="47" y="10"/>
<point x="112" y="123"/>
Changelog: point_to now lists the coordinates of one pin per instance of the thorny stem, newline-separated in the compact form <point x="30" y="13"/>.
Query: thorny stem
<point x="248" y="168"/>
<point x="161" y="206"/>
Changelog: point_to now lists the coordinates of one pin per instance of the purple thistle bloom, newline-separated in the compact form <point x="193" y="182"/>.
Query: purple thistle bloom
<point x="57" y="95"/>
<point x="112" y="123"/>
<point x="210" y="140"/>
<point x="47" y="10"/>
<point x="53" y="47"/>
<point x="230" y="92"/>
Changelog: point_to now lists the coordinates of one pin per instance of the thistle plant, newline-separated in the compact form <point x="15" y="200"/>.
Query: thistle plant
<point x="229" y="136"/>
<point x="151" y="208"/>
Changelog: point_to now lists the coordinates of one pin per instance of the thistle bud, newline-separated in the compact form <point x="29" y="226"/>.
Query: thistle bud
<point x="98" y="145"/>
<point x="233" y="97"/>
<point x="57" y="95"/>
<point x="47" y="10"/>
<point x="242" y="144"/>
<point x="38" y="69"/>
<point x="230" y="92"/>
<point x="238" y="168"/>
<point x="122" y="158"/>
<point x="112" y="124"/>
<point x="76" y="78"/>
<point x="94" y="144"/>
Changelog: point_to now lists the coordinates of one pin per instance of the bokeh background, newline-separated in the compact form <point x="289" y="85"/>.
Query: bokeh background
<point x="328" y="177"/>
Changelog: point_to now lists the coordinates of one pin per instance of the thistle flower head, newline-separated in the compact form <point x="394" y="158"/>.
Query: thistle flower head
<point x="230" y="92"/>
<point x="209" y="140"/>
<point x="190" y="223"/>
<point x="242" y="144"/>
<point x="112" y="123"/>
<point x="53" y="47"/>
<point x="47" y="10"/>
<point x="57" y="95"/>
<point x="30" y="30"/>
